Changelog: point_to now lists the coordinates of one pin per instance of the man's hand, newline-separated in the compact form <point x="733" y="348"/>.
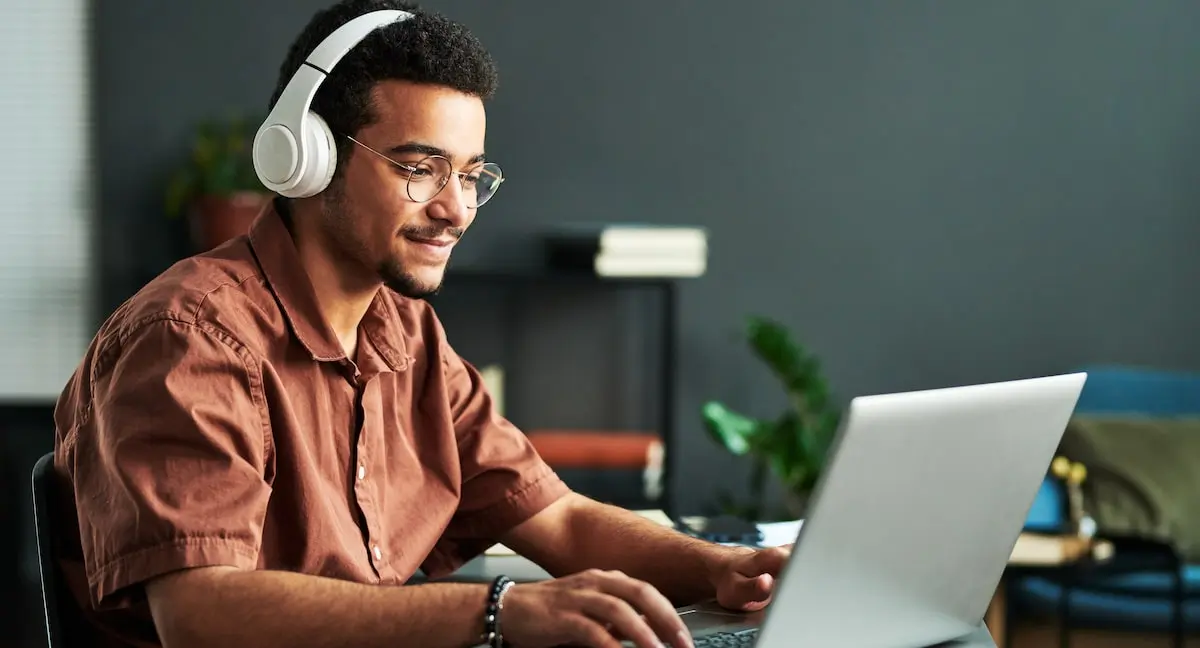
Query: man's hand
<point x="592" y="608"/>
<point x="746" y="580"/>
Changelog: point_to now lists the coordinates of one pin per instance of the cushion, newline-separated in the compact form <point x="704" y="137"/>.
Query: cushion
<point x="1142" y="476"/>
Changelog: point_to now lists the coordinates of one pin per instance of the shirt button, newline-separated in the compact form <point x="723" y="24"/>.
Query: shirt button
<point x="378" y="553"/>
<point x="362" y="472"/>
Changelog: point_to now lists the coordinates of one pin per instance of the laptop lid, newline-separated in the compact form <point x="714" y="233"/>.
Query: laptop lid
<point x="912" y="524"/>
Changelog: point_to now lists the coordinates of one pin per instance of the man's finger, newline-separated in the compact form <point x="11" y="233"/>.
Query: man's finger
<point x="659" y="611"/>
<point x="767" y="561"/>
<point x="619" y="617"/>
<point x="750" y="594"/>
<point x="587" y="632"/>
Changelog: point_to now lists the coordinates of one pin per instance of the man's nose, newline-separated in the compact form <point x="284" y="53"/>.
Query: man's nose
<point x="451" y="204"/>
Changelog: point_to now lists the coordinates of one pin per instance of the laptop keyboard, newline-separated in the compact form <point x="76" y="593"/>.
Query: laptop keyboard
<point x="742" y="639"/>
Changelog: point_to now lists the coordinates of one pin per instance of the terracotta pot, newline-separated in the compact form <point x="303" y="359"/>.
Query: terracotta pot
<point x="217" y="219"/>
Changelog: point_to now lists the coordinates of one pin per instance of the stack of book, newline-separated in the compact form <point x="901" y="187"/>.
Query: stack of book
<point x="629" y="250"/>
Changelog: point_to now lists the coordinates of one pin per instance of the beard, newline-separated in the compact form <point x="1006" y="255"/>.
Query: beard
<point x="338" y="216"/>
<point x="395" y="277"/>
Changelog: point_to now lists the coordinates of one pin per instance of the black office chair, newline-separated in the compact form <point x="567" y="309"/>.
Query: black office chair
<point x="66" y="626"/>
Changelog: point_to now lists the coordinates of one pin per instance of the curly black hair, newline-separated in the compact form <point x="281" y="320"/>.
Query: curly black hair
<point x="427" y="48"/>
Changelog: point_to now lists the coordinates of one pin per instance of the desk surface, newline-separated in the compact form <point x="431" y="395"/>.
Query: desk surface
<point x="484" y="568"/>
<point x="1030" y="550"/>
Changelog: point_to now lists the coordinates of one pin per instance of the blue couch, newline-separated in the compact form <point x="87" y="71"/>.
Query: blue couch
<point x="1138" y="601"/>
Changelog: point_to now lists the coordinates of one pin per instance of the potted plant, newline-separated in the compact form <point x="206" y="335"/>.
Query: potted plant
<point x="793" y="446"/>
<point x="217" y="189"/>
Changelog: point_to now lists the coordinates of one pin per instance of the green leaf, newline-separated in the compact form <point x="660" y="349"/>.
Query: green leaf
<point x="181" y="186"/>
<point x="220" y="162"/>
<point x="795" y="445"/>
<point x="789" y="361"/>
<point x="732" y="430"/>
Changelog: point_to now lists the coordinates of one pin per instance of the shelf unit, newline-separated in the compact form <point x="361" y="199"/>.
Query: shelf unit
<point x="667" y="289"/>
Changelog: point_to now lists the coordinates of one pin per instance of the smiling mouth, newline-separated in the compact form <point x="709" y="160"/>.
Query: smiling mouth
<point x="433" y="242"/>
<point x="432" y="250"/>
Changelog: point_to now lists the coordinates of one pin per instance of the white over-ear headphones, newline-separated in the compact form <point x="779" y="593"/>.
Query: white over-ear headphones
<point x="294" y="150"/>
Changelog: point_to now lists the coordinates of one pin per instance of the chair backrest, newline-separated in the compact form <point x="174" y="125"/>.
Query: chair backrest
<point x="1117" y="390"/>
<point x="66" y="626"/>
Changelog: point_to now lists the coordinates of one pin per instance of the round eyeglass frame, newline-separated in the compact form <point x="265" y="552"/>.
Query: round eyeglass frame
<point x="488" y="167"/>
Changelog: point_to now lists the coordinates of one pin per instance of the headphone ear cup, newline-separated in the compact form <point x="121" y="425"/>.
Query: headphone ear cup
<point x="276" y="156"/>
<point x="322" y="158"/>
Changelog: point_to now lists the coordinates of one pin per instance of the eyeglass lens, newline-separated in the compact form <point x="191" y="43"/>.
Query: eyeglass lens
<point x="429" y="176"/>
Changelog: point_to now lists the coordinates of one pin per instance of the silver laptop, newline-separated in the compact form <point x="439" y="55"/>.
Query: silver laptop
<point x="912" y="524"/>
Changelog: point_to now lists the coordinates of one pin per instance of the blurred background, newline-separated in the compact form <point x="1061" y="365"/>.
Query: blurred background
<point x="921" y="193"/>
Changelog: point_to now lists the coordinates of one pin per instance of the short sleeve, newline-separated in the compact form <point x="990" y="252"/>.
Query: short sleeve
<point x="168" y="466"/>
<point x="504" y="481"/>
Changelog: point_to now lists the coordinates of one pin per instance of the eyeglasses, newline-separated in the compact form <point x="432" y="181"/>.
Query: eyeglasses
<point x="427" y="178"/>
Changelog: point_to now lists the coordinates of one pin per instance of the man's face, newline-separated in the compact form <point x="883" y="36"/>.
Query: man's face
<point x="368" y="214"/>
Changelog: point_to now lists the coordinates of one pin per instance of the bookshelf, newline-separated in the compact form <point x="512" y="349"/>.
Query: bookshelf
<point x="665" y="289"/>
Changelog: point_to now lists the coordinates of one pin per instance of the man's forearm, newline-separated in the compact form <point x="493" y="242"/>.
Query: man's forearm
<point x="270" y="608"/>
<point x="607" y="537"/>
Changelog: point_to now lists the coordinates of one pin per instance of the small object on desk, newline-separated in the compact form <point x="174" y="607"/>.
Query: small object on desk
<point x="1073" y="474"/>
<point x="776" y="534"/>
<point x="725" y="529"/>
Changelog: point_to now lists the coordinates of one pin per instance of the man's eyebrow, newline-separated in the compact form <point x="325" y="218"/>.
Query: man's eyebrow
<point x="409" y="148"/>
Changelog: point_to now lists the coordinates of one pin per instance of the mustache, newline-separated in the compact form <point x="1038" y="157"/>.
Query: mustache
<point x="431" y="232"/>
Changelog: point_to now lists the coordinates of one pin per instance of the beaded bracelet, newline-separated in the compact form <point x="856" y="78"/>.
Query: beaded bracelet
<point x="492" y="634"/>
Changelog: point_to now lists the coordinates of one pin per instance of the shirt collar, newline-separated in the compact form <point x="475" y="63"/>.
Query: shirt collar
<point x="273" y="247"/>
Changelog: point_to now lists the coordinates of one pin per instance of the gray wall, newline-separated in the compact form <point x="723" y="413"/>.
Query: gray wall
<point x="928" y="192"/>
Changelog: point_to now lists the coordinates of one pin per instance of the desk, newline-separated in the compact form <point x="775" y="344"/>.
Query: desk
<point x="485" y="568"/>
<point x="1031" y="550"/>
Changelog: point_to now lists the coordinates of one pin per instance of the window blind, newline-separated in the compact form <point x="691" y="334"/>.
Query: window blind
<point x="46" y="204"/>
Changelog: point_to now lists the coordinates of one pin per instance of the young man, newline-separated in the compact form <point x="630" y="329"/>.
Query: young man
<point x="269" y="439"/>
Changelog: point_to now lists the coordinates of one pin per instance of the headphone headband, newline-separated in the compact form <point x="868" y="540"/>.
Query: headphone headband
<point x="294" y="151"/>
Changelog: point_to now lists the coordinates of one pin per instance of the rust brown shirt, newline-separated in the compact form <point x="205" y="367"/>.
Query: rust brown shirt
<point x="215" y="420"/>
